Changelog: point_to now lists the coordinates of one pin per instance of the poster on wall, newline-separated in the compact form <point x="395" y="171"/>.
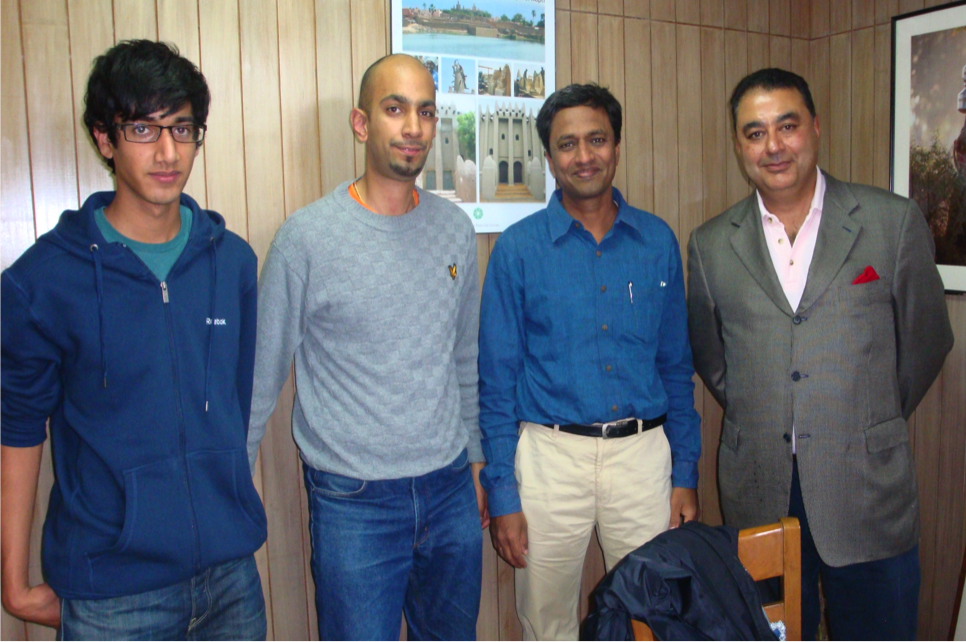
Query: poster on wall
<point x="929" y="127"/>
<point x="493" y="64"/>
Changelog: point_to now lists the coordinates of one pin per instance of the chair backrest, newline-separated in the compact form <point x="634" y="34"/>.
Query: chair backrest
<point x="766" y="552"/>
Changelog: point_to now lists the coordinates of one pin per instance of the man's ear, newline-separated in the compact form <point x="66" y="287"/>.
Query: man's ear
<point x="104" y="144"/>
<point x="359" y="122"/>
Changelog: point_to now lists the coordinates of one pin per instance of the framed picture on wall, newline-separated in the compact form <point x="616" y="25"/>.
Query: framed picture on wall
<point x="929" y="127"/>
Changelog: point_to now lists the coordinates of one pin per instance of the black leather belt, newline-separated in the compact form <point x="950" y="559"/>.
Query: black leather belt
<point x="611" y="429"/>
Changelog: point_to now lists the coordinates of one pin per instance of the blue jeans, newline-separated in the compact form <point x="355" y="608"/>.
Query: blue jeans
<point x="387" y="547"/>
<point x="224" y="602"/>
<point x="876" y="600"/>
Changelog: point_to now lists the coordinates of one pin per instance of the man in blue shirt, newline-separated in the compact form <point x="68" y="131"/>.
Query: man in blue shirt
<point x="584" y="354"/>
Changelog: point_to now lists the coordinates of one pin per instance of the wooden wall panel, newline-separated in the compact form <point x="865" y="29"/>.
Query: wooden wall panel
<point x="283" y="81"/>
<point x="178" y="24"/>
<point x="46" y="68"/>
<point x="637" y="140"/>
<point x="16" y="205"/>
<point x="91" y="24"/>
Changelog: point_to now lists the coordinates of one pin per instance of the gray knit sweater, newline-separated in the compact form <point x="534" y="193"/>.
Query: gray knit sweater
<point x="383" y="334"/>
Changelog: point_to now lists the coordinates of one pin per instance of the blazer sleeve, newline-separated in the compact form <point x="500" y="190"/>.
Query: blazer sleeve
<point x="923" y="333"/>
<point x="704" y="326"/>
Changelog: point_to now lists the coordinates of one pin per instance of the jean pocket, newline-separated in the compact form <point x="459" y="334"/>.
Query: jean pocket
<point x="461" y="462"/>
<point x="333" y="485"/>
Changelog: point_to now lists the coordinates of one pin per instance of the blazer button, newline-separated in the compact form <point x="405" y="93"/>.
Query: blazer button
<point x="797" y="320"/>
<point x="796" y="376"/>
<point x="787" y="438"/>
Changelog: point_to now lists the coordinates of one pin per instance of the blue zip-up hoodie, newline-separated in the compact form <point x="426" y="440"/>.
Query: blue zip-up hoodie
<point x="148" y="387"/>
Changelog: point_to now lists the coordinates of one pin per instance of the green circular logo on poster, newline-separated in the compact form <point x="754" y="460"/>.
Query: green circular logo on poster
<point x="478" y="213"/>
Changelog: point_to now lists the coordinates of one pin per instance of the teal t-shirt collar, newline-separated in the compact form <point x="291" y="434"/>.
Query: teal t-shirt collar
<point x="159" y="257"/>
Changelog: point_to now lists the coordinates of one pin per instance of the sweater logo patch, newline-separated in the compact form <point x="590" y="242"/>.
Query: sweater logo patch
<point x="452" y="271"/>
<point x="216" y="322"/>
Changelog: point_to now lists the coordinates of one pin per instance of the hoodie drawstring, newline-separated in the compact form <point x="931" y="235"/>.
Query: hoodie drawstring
<point x="211" y="314"/>
<point x="99" y="285"/>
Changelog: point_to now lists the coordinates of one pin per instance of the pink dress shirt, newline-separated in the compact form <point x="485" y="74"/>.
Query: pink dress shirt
<point x="791" y="261"/>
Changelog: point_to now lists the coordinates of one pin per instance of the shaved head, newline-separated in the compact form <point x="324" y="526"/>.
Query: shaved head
<point x="389" y="63"/>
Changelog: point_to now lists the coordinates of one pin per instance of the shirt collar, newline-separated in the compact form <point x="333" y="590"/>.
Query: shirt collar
<point x="818" y="198"/>
<point x="562" y="222"/>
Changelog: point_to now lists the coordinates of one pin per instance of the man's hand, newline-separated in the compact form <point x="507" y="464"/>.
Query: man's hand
<point x="34" y="604"/>
<point x="509" y="535"/>
<point x="480" y="494"/>
<point x="684" y="506"/>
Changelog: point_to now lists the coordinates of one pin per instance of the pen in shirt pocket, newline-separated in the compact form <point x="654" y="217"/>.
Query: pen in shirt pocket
<point x="630" y="291"/>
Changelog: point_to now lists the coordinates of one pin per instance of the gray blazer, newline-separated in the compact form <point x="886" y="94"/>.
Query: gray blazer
<point x="847" y="368"/>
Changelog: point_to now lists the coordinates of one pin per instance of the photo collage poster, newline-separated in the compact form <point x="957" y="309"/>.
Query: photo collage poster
<point x="493" y="65"/>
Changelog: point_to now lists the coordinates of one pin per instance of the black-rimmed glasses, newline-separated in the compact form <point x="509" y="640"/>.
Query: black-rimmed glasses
<point x="181" y="133"/>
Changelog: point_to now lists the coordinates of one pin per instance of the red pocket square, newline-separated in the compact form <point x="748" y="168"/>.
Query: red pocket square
<point x="868" y="275"/>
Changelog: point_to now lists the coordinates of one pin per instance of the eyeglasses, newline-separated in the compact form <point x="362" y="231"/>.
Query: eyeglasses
<point x="181" y="133"/>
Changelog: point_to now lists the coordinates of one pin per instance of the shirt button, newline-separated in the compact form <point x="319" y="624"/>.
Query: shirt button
<point x="607" y="368"/>
<point x="796" y="376"/>
<point x="787" y="438"/>
<point x="792" y="262"/>
<point x="603" y="288"/>
<point x="603" y="327"/>
<point x="780" y="241"/>
<point x="598" y="252"/>
<point x="613" y="408"/>
<point x="797" y="320"/>
<point x="577" y="225"/>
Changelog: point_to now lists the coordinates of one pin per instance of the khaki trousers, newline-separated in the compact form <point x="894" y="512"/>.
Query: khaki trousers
<point x="569" y="483"/>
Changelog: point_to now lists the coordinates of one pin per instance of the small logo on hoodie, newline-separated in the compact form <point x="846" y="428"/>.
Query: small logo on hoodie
<point x="452" y="271"/>
<point x="217" y="322"/>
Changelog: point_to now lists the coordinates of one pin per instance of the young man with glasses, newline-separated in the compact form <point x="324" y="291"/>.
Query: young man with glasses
<point x="131" y="328"/>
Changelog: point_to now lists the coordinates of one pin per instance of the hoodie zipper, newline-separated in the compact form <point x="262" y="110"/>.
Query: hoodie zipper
<point x="182" y="437"/>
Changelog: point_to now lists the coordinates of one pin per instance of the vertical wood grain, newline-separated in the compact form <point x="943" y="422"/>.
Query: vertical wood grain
<point x="758" y="51"/>
<point x="840" y="16"/>
<point x="637" y="142"/>
<point x="370" y="42"/>
<point x="135" y="19"/>
<point x="882" y="131"/>
<point x="736" y="14"/>
<point x="689" y="142"/>
<point x="863" y="108"/>
<point x="16" y="205"/>
<point x="736" y="68"/>
<point x="780" y="52"/>
<point x="687" y="12"/>
<point x="587" y="6"/>
<point x="563" y="54"/>
<point x="611" y="69"/>
<point x="818" y="81"/>
<point x="884" y="10"/>
<point x="50" y="113"/>
<point x="907" y="6"/>
<point x="863" y="13"/>
<point x="712" y="13"/>
<point x="637" y="8"/>
<point x="801" y="13"/>
<point x="91" y="25"/>
<point x="665" y="125"/>
<point x="839" y="120"/>
<point x="336" y="93"/>
<point x="758" y="17"/>
<point x="663" y="10"/>
<point x="583" y="48"/>
<point x="780" y="17"/>
<point x="226" y="138"/>
<point x="610" y="7"/>
<point x="178" y="24"/>
<point x="821" y="16"/>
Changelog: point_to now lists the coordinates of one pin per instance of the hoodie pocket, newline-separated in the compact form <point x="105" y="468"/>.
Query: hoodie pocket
<point x="231" y="519"/>
<point x="156" y="544"/>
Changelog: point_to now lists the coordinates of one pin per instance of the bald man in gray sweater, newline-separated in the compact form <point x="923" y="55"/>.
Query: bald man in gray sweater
<point x="374" y="291"/>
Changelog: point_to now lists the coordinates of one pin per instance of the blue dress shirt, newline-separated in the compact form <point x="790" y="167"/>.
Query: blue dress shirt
<point x="576" y="332"/>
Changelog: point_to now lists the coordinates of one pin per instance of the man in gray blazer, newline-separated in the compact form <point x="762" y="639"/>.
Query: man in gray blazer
<point x="818" y="321"/>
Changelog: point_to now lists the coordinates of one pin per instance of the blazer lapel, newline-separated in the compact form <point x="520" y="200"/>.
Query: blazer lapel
<point x="748" y="241"/>
<point x="836" y="236"/>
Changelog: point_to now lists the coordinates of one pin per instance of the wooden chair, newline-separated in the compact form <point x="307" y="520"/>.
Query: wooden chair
<point x="766" y="552"/>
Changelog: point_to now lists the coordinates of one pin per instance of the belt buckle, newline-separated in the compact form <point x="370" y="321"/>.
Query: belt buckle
<point x="607" y="425"/>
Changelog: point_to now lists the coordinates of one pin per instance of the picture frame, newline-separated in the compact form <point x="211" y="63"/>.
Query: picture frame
<point x="928" y="152"/>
